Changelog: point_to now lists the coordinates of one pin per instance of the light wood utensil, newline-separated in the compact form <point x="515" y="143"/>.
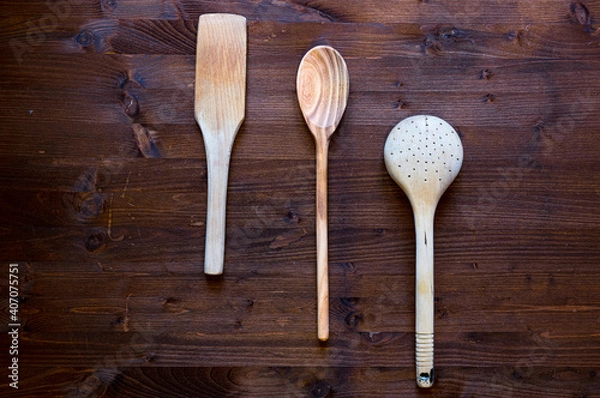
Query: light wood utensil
<point x="423" y="154"/>
<point x="220" y="100"/>
<point x="322" y="85"/>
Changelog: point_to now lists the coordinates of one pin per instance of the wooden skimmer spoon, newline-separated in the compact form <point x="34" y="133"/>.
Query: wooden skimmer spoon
<point x="220" y="100"/>
<point x="423" y="154"/>
<point x="322" y="84"/>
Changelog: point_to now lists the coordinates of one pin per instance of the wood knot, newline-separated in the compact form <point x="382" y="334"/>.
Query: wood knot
<point x="109" y="5"/>
<point x="400" y="104"/>
<point x="130" y="105"/>
<point x="486" y="74"/>
<point x="349" y="268"/>
<point x="145" y="141"/>
<point x="450" y="34"/>
<point x="581" y="15"/>
<point x="169" y="300"/>
<point x="321" y="389"/>
<point x="85" y="38"/>
<point x="93" y="385"/>
<point x="489" y="97"/>
<point x="292" y="217"/>
<point x="353" y="320"/>
<point x="90" y="386"/>
<point x="435" y="40"/>
<point x="515" y="36"/>
<point x="95" y="242"/>
<point x="148" y="357"/>
<point x="88" y="205"/>
<point x="377" y="338"/>
<point x="517" y="376"/>
<point x="286" y="238"/>
<point x="432" y="46"/>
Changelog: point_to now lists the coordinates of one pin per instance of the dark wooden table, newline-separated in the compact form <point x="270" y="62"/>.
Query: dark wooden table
<point x="103" y="201"/>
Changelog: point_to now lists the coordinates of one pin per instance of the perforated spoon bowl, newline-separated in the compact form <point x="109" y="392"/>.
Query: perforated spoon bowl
<point x="322" y="84"/>
<point x="423" y="154"/>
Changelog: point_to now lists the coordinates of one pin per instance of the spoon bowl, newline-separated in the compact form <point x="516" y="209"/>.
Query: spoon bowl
<point x="423" y="154"/>
<point x="322" y="85"/>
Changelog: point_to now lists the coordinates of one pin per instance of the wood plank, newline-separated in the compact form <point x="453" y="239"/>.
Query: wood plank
<point x="143" y="302"/>
<point x="129" y="205"/>
<point x="312" y="381"/>
<point x="546" y="12"/>
<point x="258" y="218"/>
<point x="177" y="37"/>
<point x="488" y="104"/>
<point x="385" y="350"/>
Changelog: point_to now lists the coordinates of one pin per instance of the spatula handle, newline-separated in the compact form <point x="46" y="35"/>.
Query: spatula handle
<point x="424" y="311"/>
<point x="218" y="172"/>
<point x="322" y="243"/>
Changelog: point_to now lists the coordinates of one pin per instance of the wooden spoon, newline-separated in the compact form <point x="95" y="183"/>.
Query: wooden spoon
<point x="322" y="84"/>
<point x="220" y="100"/>
<point x="423" y="154"/>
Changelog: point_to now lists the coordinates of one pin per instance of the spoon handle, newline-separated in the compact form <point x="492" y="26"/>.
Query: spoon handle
<point x="424" y="296"/>
<point x="322" y="242"/>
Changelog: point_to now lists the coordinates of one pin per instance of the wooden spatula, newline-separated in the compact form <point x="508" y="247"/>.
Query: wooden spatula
<point x="220" y="100"/>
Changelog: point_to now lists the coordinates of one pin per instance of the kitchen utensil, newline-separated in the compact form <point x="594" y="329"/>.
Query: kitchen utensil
<point x="220" y="100"/>
<point x="322" y="85"/>
<point x="423" y="154"/>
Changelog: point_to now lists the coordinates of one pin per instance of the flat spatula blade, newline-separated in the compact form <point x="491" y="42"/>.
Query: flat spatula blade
<point x="220" y="97"/>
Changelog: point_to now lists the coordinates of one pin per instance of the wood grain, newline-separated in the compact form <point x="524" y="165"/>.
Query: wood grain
<point x="103" y="175"/>
<point x="366" y="11"/>
<point x="322" y="85"/>
<point x="219" y="109"/>
<point x="423" y="154"/>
